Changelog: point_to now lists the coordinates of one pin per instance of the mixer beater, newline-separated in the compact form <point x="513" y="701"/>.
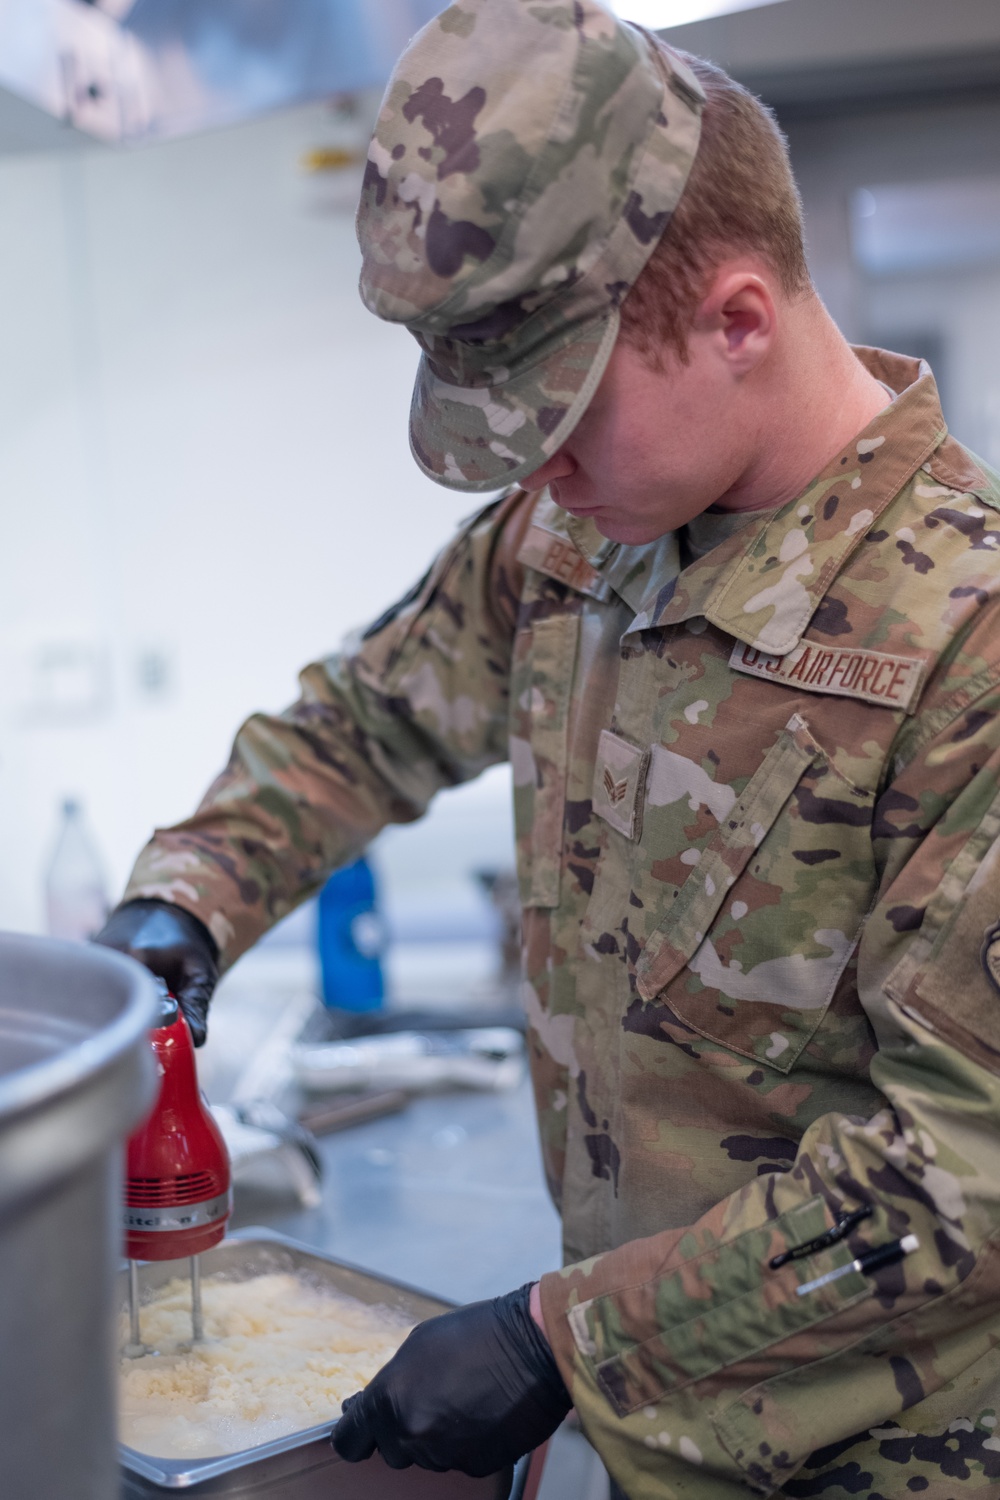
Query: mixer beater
<point x="178" y="1193"/>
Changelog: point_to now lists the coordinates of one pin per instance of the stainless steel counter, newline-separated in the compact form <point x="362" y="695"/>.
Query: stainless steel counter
<point x="448" y="1196"/>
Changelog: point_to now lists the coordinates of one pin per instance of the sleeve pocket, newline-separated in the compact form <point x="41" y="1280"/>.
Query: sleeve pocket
<point x="949" y="977"/>
<point x="725" y="1308"/>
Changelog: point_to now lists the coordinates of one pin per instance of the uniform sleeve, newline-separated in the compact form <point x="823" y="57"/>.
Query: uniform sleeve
<point x="420" y="704"/>
<point x="692" y="1360"/>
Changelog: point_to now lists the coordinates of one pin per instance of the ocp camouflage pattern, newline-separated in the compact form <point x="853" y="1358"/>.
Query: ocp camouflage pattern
<point x="526" y="160"/>
<point x="757" y="933"/>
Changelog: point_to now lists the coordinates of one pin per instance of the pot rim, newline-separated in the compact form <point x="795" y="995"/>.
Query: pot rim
<point x="35" y="1084"/>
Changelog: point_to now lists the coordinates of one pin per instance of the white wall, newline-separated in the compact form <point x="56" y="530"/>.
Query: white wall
<point x="961" y="306"/>
<point x="203" y="454"/>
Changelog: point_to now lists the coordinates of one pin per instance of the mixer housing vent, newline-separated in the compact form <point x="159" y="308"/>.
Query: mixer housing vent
<point x="159" y="1192"/>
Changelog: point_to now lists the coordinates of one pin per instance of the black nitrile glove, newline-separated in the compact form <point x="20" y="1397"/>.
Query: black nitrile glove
<point x="173" y="944"/>
<point x="472" y="1390"/>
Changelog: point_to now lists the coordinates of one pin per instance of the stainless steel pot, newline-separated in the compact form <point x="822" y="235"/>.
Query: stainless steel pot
<point x="76" y="1074"/>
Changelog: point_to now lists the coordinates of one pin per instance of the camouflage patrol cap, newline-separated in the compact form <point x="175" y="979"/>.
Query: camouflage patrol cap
<point x="527" y="157"/>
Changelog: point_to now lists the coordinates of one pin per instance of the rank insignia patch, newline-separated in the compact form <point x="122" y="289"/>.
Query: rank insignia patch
<point x="619" y="779"/>
<point x="615" y="789"/>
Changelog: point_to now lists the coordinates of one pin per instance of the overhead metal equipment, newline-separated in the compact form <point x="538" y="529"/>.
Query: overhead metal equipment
<point x="127" y="71"/>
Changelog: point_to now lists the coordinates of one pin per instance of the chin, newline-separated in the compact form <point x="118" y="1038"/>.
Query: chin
<point x="630" y="534"/>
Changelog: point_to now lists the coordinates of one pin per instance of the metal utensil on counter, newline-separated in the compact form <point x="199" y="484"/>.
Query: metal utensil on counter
<point x="257" y="1132"/>
<point x="178" y="1193"/>
<point x="486" y="1058"/>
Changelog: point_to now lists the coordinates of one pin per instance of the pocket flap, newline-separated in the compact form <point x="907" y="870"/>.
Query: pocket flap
<point x="684" y="926"/>
<point x="553" y="657"/>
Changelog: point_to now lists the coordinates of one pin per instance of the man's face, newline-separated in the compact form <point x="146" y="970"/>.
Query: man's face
<point x="654" y="447"/>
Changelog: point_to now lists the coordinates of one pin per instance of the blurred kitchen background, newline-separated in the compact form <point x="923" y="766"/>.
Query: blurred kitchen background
<point x="204" y="469"/>
<point x="205" y="482"/>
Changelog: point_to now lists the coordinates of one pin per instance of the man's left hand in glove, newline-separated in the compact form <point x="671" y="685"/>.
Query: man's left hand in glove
<point x="473" y="1390"/>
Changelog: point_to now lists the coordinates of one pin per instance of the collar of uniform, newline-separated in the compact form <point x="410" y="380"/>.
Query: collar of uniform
<point x="638" y="575"/>
<point x="641" y="575"/>
<point x="764" y="585"/>
<point x="585" y="536"/>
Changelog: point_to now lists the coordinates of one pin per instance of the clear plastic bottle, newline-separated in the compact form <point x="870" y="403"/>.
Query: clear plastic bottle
<point x="76" y="893"/>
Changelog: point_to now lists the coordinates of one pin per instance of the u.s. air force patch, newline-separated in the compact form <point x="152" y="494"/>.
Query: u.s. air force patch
<point x="849" y="671"/>
<point x="990" y="954"/>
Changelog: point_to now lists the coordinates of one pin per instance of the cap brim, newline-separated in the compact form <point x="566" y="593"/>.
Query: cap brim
<point x="484" y="437"/>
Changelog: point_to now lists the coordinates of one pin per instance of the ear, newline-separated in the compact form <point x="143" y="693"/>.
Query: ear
<point x="739" y="319"/>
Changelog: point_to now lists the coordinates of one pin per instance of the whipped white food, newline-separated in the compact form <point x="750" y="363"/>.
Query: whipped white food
<point x="279" y="1355"/>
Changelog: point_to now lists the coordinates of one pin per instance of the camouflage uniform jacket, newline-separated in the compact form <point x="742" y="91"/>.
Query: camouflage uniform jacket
<point x="758" y="826"/>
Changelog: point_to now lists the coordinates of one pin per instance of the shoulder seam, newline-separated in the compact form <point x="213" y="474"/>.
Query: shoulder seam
<point x="967" y="477"/>
<point x="943" y="714"/>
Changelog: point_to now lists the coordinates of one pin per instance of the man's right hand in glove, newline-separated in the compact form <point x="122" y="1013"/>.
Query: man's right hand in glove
<point x="472" y="1389"/>
<point x="173" y="944"/>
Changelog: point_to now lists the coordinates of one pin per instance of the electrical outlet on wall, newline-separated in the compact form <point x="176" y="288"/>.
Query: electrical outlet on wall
<point x="153" y="672"/>
<point x="54" y="676"/>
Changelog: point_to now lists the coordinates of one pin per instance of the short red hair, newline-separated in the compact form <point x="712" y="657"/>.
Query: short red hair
<point x="741" y="196"/>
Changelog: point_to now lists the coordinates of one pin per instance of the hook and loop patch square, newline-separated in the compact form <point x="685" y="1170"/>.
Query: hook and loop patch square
<point x="619" y="779"/>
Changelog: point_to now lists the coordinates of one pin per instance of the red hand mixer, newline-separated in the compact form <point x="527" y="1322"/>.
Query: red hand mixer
<point x="178" y="1195"/>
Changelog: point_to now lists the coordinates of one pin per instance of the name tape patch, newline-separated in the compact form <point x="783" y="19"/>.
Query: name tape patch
<point x="850" y="672"/>
<point x="559" y="559"/>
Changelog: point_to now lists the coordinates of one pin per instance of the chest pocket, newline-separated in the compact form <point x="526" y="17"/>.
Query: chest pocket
<point x="748" y="949"/>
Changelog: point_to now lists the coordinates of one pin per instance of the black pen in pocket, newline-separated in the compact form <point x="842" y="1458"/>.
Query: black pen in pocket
<point x="871" y="1260"/>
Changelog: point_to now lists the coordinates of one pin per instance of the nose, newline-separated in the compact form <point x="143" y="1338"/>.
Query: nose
<point x="559" y="466"/>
